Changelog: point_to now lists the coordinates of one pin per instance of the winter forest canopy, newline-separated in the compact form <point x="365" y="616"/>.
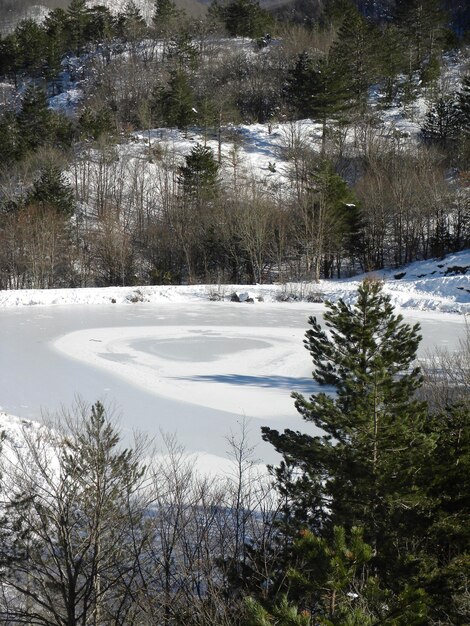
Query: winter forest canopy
<point x="91" y="194"/>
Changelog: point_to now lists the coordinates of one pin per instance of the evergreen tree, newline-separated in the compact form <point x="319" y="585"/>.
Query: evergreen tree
<point x="55" y="25"/>
<point x="198" y="176"/>
<point x="52" y="190"/>
<point x="9" y="56"/>
<point x="363" y="470"/>
<point x="244" y="18"/>
<point x="182" y="50"/>
<point x="282" y="614"/>
<point x="444" y="561"/>
<point x="34" y="118"/>
<point x="130" y="23"/>
<point x="422" y="23"/>
<point x="94" y="124"/>
<point x="318" y="89"/>
<point x="391" y="60"/>
<point x="78" y="23"/>
<point x="31" y="46"/>
<point x="166" y="17"/>
<point x="355" y="54"/>
<point x="442" y="124"/>
<point x="101" y="24"/>
<point x="327" y="583"/>
<point x="177" y="101"/>
<point x="10" y="140"/>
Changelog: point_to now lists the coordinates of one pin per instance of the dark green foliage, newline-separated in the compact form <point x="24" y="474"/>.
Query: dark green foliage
<point x="34" y="118"/>
<point x="38" y="125"/>
<point x="8" y="55"/>
<point x="445" y="562"/>
<point x="52" y="190"/>
<point x="10" y="140"/>
<point x="165" y="17"/>
<point x="443" y="122"/>
<point x="372" y="415"/>
<point x="355" y="54"/>
<point x="422" y="23"/>
<point x="78" y="23"/>
<point x="327" y="575"/>
<point x="176" y="102"/>
<point x="317" y="88"/>
<point x="94" y="124"/>
<point x="101" y="25"/>
<point x="183" y="51"/>
<point x="282" y="614"/>
<point x="198" y="176"/>
<point x="31" y="45"/>
<point x="384" y="463"/>
<point x="55" y="26"/>
<point x="391" y="60"/>
<point x="244" y="18"/>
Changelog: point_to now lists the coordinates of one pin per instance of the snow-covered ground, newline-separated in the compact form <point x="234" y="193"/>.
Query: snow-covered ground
<point x="172" y="360"/>
<point x="432" y="285"/>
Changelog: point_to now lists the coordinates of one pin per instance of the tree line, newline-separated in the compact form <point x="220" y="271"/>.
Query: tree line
<point x="363" y="524"/>
<point x="365" y="199"/>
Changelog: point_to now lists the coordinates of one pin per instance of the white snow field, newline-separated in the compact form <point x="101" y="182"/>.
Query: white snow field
<point x="169" y="360"/>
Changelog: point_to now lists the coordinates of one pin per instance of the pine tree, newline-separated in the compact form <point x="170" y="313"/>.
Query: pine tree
<point x="10" y="140"/>
<point x="422" y="24"/>
<point x="362" y="466"/>
<point x="52" y="190"/>
<point x="443" y="122"/>
<point x="78" y="22"/>
<point x="282" y="614"/>
<point x="182" y="50"/>
<point x="166" y="17"/>
<point x="244" y="18"/>
<point x="366" y="467"/>
<point x="198" y="176"/>
<point x="55" y="25"/>
<point x="31" y="42"/>
<point x="130" y="23"/>
<point x="177" y="101"/>
<point x="34" y="118"/>
<point x="355" y="54"/>
<point x="9" y="59"/>
<point x="391" y="60"/>
<point x="318" y="89"/>
<point x="444" y="561"/>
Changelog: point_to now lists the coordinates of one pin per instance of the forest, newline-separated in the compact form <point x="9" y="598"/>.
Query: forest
<point x="92" y="195"/>
<point x="364" y="524"/>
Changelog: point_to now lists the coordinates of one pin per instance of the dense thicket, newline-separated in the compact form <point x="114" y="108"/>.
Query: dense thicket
<point x="365" y="197"/>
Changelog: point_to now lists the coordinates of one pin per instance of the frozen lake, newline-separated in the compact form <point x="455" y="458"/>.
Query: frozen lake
<point x="191" y="369"/>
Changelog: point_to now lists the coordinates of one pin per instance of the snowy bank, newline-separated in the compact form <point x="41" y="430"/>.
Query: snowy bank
<point x="432" y="285"/>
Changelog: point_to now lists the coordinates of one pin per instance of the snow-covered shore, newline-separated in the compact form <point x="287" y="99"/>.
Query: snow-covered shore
<point x="432" y="285"/>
